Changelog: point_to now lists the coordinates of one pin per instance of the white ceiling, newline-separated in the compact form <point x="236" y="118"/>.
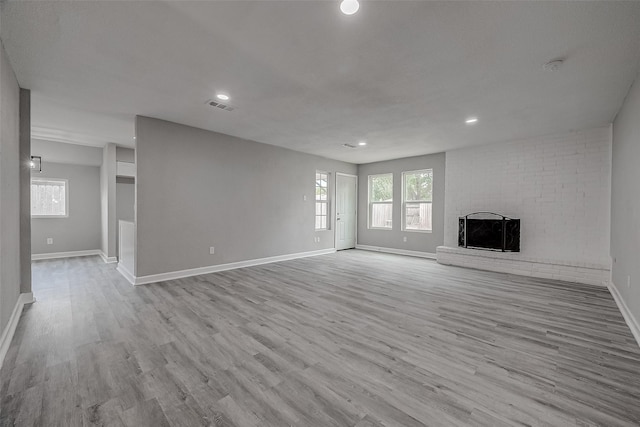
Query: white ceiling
<point x="401" y="75"/>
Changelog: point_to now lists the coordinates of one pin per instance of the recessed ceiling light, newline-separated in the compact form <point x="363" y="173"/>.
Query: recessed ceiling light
<point x="471" y="120"/>
<point x="349" y="7"/>
<point x="362" y="143"/>
<point x="222" y="96"/>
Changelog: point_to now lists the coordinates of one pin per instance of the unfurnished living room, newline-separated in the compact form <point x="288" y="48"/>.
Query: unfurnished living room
<point x="319" y="213"/>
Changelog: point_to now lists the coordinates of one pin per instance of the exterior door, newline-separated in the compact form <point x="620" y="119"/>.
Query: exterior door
<point x="346" y="194"/>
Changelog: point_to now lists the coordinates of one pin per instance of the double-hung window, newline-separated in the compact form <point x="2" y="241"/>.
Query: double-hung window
<point x="417" y="195"/>
<point x="322" y="200"/>
<point x="381" y="201"/>
<point x="49" y="198"/>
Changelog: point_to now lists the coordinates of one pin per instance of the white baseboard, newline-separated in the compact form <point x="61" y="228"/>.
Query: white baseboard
<point x="108" y="259"/>
<point x="397" y="251"/>
<point x="632" y="322"/>
<point x="153" y="278"/>
<point x="10" y="329"/>
<point x="56" y="255"/>
<point x="126" y="273"/>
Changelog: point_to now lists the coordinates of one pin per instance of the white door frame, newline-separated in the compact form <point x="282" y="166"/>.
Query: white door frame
<point x="335" y="209"/>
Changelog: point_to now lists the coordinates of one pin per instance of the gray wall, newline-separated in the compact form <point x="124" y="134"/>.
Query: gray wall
<point x="125" y="201"/>
<point x="197" y="189"/>
<point x="125" y="198"/>
<point x="9" y="191"/>
<point x="59" y="152"/>
<point x="80" y="231"/>
<point x="124" y="154"/>
<point x="25" y="191"/>
<point x="416" y="241"/>
<point x="108" y="201"/>
<point x="625" y="203"/>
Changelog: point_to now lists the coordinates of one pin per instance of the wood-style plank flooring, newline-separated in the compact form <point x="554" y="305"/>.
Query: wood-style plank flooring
<point x="349" y="339"/>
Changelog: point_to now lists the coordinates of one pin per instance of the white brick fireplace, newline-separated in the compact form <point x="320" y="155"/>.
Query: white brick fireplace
<point x="559" y="187"/>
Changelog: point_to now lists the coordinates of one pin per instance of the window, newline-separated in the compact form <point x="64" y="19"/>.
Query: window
<point x="49" y="198"/>
<point x="417" y="195"/>
<point x="322" y="200"/>
<point x="381" y="201"/>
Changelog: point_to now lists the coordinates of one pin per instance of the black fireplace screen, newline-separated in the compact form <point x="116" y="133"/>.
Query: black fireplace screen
<point x="488" y="230"/>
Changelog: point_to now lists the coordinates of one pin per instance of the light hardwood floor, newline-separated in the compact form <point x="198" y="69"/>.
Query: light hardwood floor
<point x="350" y="339"/>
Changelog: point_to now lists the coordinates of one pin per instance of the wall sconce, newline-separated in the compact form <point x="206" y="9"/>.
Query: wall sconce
<point x="36" y="163"/>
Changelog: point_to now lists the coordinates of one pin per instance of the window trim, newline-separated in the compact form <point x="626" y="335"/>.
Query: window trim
<point x="404" y="202"/>
<point x="66" y="197"/>
<point x="325" y="202"/>
<point x="370" y="203"/>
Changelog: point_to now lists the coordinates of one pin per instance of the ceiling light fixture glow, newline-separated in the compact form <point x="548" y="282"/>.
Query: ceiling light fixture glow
<point x="349" y="7"/>
<point x="471" y="120"/>
<point x="361" y="143"/>
<point x="222" y="96"/>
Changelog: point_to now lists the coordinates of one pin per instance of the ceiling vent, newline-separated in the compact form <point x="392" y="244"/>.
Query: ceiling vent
<point x="220" y="105"/>
<point x="348" y="146"/>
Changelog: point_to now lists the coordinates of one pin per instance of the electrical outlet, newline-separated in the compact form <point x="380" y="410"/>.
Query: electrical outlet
<point x="404" y="239"/>
<point x="49" y="240"/>
<point x="304" y="198"/>
<point x="212" y="250"/>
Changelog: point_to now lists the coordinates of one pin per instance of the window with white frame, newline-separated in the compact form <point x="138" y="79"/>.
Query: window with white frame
<point x="49" y="198"/>
<point x="417" y="192"/>
<point x="381" y="201"/>
<point x="322" y="200"/>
